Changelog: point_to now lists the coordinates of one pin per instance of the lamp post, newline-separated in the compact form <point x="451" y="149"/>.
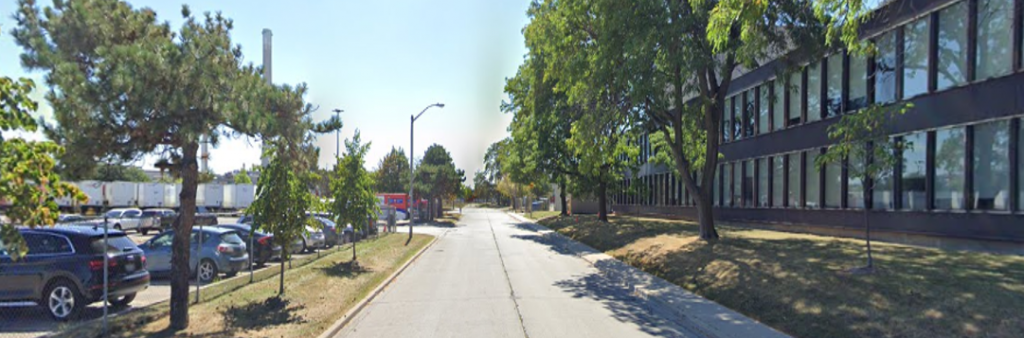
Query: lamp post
<point x="412" y="161"/>
<point x="337" y="134"/>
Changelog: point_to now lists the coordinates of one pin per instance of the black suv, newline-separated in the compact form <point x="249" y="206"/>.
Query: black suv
<point x="63" y="269"/>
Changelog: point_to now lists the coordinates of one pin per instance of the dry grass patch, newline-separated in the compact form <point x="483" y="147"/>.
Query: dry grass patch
<point x="316" y="295"/>
<point x="796" y="282"/>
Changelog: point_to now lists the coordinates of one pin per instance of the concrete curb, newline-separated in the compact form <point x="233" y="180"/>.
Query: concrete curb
<point x="340" y="323"/>
<point x="697" y="314"/>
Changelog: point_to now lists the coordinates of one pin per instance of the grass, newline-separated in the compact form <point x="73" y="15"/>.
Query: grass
<point x="797" y="283"/>
<point x="537" y="215"/>
<point x="316" y="295"/>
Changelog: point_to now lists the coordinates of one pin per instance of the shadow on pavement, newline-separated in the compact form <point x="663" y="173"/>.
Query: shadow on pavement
<point x="624" y="306"/>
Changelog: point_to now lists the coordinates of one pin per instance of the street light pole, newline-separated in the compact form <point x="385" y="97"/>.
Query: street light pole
<point x="412" y="162"/>
<point x="337" y="134"/>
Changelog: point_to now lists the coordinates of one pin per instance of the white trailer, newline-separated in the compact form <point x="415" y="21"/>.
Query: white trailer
<point x="238" y="196"/>
<point x="150" y="195"/>
<point x="93" y="190"/>
<point x="120" y="194"/>
<point x="171" y="192"/>
<point x="210" y="195"/>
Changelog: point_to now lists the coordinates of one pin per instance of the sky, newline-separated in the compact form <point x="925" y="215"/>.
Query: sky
<point x="380" y="61"/>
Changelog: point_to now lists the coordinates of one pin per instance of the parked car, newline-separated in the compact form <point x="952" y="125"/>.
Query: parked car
<point x="330" y="230"/>
<point x="222" y="251"/>
<point x="68" y="218"/>
<point x="63" y="270"/>
<point x="263" y="247"/>
<point x="164" y="217"/>
<point x="128" y="219"/>
<point x="313" y="238"/>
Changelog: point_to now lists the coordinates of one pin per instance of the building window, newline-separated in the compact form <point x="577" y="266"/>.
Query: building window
<point x="858" y="83"/>
<point x="814" y="91"/>
<point x="794" y="180"/>
<point x="915" y="58"/>
<point x="778" y="172"/>
<point x="748" y="183"/>
<point x="762" y="112"/>
<point x="912" y="182"/>
<point x="737" y="117"/>
<point x="885" y="68"/>
<point x="991" y="166"/>
<point x="727" y="185"/>
<point x="748" y="112"/>
<point x="949" y="169"/>
<point x="881" y="191"/>
<point x="727" y="120"/>
<point x="778" y="106"/>
<point x="762" y="182"/>
<point x="855" y="182"/>
<point x="834" y="185"/>
<point x="952" y="47"/>
<point x="995" y="40"/>
<point x="737" y="184"/>
<point x="813" y="190"/>
<point x="795" y="101"/>
<point x="834" y="101"/>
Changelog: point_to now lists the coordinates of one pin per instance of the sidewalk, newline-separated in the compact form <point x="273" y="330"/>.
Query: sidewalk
<point x="697" y="314"/>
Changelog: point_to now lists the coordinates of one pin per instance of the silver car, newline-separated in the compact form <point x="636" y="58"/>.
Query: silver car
<point x="222" y="250"/>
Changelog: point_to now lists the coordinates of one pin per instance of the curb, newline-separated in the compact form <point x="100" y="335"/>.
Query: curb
<point x="648" y="292"/>
<point x="340" y="324"/>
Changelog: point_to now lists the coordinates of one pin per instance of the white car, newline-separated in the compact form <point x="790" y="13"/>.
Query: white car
<point x="125" y="219"/>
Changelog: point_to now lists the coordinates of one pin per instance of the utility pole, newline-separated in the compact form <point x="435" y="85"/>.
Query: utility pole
<point x="412" y="161"/>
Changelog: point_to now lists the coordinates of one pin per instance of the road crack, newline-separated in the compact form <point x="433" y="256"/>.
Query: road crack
<point x="512" y="291"/>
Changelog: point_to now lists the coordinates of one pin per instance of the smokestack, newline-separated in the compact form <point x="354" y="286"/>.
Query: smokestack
<point x="267" y="74"/>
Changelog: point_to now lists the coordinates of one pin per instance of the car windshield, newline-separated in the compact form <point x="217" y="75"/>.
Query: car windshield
<point x="231" y="238"/>
<point x="113" y="213"/>
<point x="150" y="213"/>
<point x="115" y="244"/>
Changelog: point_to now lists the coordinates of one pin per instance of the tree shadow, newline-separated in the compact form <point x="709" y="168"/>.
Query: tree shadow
<point x="347" y="269"/>
<point x="624" y="306"/>
<point x="529" y="227"/>
<point x="254" y="316"/>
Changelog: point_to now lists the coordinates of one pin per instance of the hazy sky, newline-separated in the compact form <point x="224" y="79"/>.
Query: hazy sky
<point x="380" y="61"/>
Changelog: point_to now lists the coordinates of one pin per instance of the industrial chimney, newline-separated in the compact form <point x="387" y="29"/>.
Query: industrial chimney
<point x="267" y="74"/>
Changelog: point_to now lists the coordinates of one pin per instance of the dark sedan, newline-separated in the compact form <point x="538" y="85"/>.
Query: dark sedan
<point x="264" y="249"/>
<point x="63" y="269"/>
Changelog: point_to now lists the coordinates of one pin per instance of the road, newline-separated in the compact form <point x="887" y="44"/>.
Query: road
<point x="492" y="277"/>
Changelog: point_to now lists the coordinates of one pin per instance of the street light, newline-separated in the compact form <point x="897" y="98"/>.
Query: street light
<point x="412" y="156"/>
<point x="337" y="134"/>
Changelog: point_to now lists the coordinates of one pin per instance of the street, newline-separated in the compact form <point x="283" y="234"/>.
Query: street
<point x="491" y="276"/>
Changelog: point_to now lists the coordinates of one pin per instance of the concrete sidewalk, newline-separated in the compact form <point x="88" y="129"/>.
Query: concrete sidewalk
<point x="697" y="314"/>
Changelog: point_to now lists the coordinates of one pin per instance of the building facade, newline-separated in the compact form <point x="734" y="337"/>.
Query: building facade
<point x="958" y="61"/>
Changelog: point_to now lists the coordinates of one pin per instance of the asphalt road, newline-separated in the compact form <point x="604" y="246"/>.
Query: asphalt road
<point x="493" y="277"/>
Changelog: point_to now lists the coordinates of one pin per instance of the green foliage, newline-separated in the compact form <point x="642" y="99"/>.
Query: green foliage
<point x="281" y="202"/>
<point x="243" y="177"/>
<point x="28" y="179"/>
<point x="355" y="198"/>
<point x="864" y="134"/>
<point x="114" y="172"/>
<point x="393" y="172"/>
<point x="436" y="176"/>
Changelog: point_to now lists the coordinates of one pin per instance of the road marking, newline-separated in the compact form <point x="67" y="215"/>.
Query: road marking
<point x="512" y="291"/>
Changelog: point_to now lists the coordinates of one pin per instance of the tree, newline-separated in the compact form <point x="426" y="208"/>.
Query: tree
<point x="482" y="187"/>
<point x="355" y="199"/>
<point x="437" y="178"/>
<point x="28" y="178"/>
<point x="114" y="172"/>
<point x="862" y="146"/>
<point x="123" y="85"/>
<point x="281" y="203"/>
<point x="243" y="177"/>
<point x="393" y="172"/>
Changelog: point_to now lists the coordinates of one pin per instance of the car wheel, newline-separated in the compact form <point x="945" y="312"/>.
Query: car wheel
<point x="123" y="301"/>
<point x="117" y="227"/>
<point x="144" y="231"/>
<point x="207" y="271"/>
<point x="62" y="300"/>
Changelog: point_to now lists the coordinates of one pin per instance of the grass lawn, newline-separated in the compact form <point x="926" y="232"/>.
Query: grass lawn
<point x="316" y="295"/>
<point x="536" y="215"/>
<point x="796" y="283"/>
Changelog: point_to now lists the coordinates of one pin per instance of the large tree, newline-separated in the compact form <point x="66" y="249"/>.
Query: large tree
<point x="116" y="172"/>
<point x="393" y="172"/>
<point x="437" y="178"/>
<point x="124" y="85"/>
<point x="28" y="178"/>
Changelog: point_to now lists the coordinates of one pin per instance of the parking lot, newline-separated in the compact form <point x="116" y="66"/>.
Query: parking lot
<point x="33" y="321"/>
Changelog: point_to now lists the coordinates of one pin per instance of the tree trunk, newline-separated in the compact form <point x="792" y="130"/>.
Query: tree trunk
<point x="285" y="256"/>
<point x="602" y="201"/>
<point x="867" y="231"/>
<point x="355" y="238"/>
<point x="706" y="216"/>
<point x="561" y="195"/>
<point x="180" y="250"/>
